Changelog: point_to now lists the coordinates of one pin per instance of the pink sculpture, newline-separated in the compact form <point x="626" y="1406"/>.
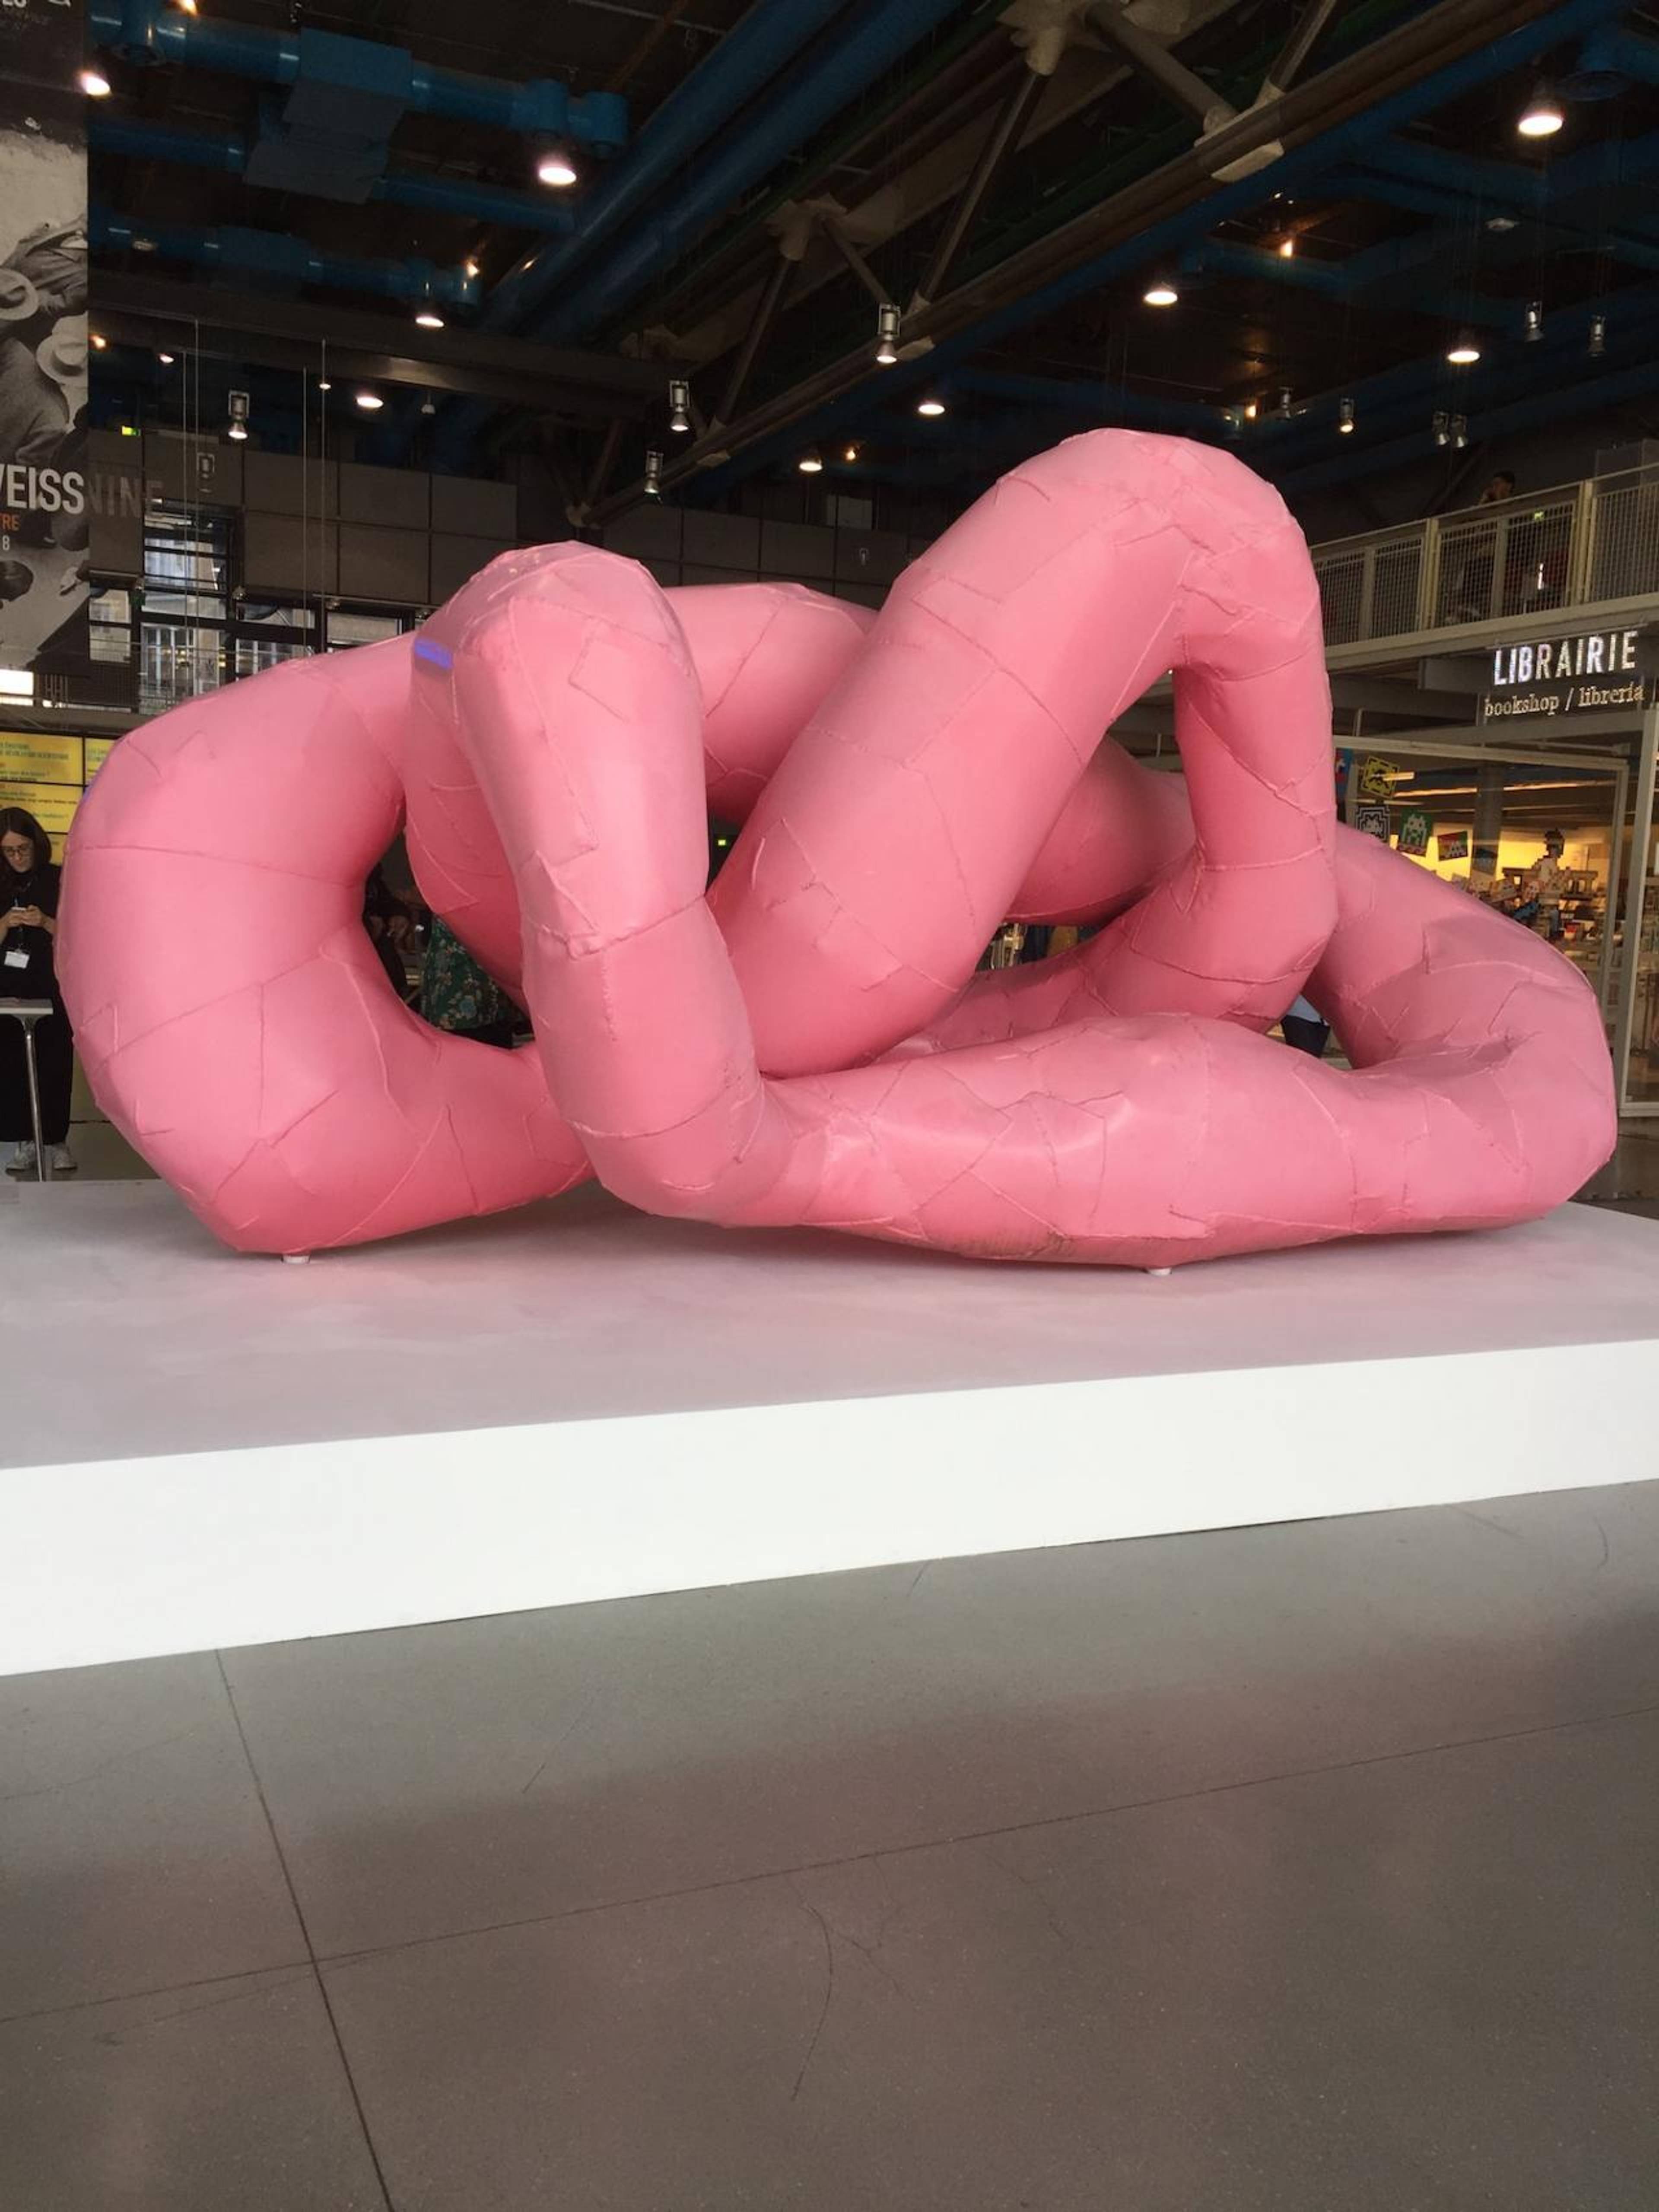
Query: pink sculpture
<point x="809" y="1043"/>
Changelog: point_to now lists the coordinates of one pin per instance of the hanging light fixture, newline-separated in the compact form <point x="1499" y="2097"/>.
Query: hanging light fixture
<point x="96" y="341"/>
<point x="1160" y="293"/>
<point x="653" y="474"/>
<point x="1541" y="117"/>
<point x="94" y="83"/>
<point x="369" y="401"/>
<point x="931" y="406"/>
<point x="1533" y="326"/>
<point x="1285" y="408"/>
<point x="556" y="169"/>
<point x="1345" y="415"/>
<point x="1441" y="427"/>
<point x="810" y="464"/>
<point x="237" y="427"/>
<point x="1250" y="410"/>
<point x="428" y="318"/>
<point x="324" y="384"/>
<point x="849" y="452"/>
<point x="1464" y="353"/>
<point x="887" y="334"/>
<point x="1598" y="336"/>
<point x="429" y="404"/>
<point x="1287" y="248"/>
<point x="679" y="404"/>
<point x="166" y="359"/>
<point x="1460" y="431"/>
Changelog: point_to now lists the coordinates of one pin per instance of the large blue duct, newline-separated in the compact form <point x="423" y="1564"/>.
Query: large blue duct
<point x="355" y="68"/>
<point x="765" y="42"/>
<point x="226" y="153"/>
<point x="827" y="81"/>
<point x="278" y="259"/>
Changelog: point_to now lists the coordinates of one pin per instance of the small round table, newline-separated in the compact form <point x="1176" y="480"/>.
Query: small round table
<point x="28" y="1011"/>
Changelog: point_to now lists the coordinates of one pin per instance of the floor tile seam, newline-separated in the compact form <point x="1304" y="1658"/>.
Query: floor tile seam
<point x="352" y="2090"/>
<point x="306" y="1965"/>
<point x="357" y="1953"/>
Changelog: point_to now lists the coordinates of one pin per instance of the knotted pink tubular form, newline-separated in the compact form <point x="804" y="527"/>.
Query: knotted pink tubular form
<point x="810" y="1044"/>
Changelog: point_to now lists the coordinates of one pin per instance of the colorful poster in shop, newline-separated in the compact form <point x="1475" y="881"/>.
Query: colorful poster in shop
<point x="52" y="804"/>
<point x="1372" y="822"/>
<point x="1344" y="775"/>
<point x="1452" y="845"/>
<point x="1413" y="836"/>
<point x="1375" y="777"/>
<point x="43" y="592"/>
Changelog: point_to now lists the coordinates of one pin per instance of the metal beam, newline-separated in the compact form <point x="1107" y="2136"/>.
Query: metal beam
<point x="1453" y="47"/>
<point x="772" y="292"/>
<point x="856" y="261"/>
<point x="1158" y="64"/>
<point x="1003" y="139"/>
<point x="282" y="333"/>
<point x="1309" y="29"/>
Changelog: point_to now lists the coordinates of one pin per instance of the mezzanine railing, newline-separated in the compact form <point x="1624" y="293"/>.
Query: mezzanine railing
<point x="1573" y="546"/>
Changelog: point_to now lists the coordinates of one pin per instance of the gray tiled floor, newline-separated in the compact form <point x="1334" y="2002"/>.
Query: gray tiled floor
<point x="1307" y="1867"/>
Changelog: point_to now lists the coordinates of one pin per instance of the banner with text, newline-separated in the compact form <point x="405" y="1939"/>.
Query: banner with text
<point x="43" y="592"/>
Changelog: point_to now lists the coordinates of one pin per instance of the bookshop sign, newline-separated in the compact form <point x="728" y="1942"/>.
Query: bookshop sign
<point x="1594" y="671"/>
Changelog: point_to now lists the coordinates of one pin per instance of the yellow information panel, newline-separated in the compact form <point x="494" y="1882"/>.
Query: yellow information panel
<point x="98" y="752"/>
<point x="52" y="804"/>
<point x="40" y="759"/>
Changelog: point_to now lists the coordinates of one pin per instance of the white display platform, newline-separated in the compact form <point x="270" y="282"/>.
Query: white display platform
<point x="578" y="1402"/>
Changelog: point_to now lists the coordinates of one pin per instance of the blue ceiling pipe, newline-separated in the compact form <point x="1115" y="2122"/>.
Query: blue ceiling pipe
<point x="1496" y="422"/>
<point x="1296" y="170"/>
<point x="827" y="82"/>
<point x="1099" y="403"/>
<point x="228" y="153"/>
<point x="766" y="41"/>
<point x="278" y="259"/>
<point x="153" y="31"/>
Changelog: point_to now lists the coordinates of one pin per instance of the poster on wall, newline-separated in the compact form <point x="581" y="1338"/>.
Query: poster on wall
<point x="44" y="592"/>
<point x="1452" y="845"/>
<point x="1372" y="822"/>
<point x="1414" y="835"/>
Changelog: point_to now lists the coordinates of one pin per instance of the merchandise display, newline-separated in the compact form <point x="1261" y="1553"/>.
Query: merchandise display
<point x="808" y="1043"/>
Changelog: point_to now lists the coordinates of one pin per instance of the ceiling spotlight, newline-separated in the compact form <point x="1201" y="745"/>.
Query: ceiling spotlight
<point x="370" y="400"/>
<point x="186" y="6"/>
<point x="887" y="334"/>
<point x="429" y="404"/>
<point x="1541" y="118"/>
<point x="679" y="404"/>
<point x="143" y="245"/>
<point x="654" y="474"/>
<point x="324" y="384"/>
<point x="1160" y="294"/>
<point x="1465" y="353"/>
<point x="1598" y="337"/>
<point x="810" y="464"/>
<point x="1441" y="427"/>
<point x="1502" y="222"/>
<point x="1287" y="249"/>
<point x="94" y="84"/>
<point x="555" y="168"/>
<point x="1533" y="326"/>
<point x="95" y="342"/>
<point x="1460" y="431"/>
<point x="165" y="360"/>
<point x="1285" y="407"/>
<point x="931" y="406"/>
<point x="237" y="427"/>
<point x="470" y="267"/>
<point x="1249" y="410"/>
<point x="849" y="452"/>
<point x="428" y="318"/>
<point x="1345" y="415"/>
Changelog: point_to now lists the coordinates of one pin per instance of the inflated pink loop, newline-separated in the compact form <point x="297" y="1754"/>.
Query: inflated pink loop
<point x="553" y="735"/>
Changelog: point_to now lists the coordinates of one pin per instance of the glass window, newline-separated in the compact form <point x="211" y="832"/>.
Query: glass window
<point x="347" y="628"/>
<point x="186" y="562"/>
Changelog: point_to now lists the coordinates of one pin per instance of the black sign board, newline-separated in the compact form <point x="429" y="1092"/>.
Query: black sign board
<point x="1578" y="672"/>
